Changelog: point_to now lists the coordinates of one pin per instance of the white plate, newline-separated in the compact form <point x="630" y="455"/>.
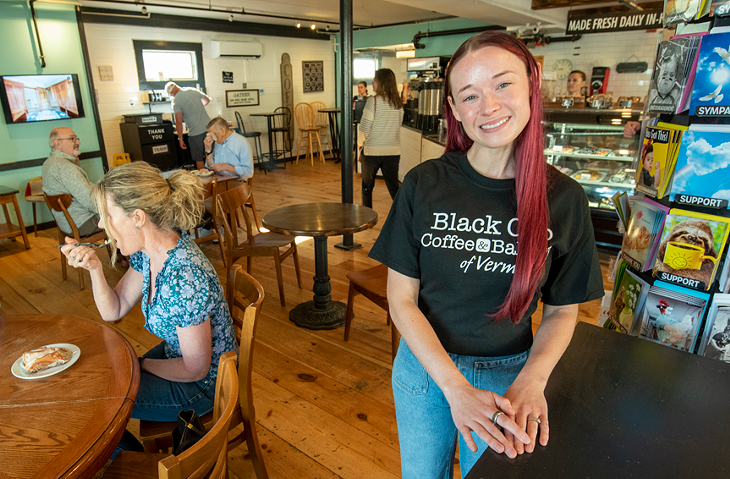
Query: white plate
<point x="203" y="175"/>
<point x="20" y="372"/>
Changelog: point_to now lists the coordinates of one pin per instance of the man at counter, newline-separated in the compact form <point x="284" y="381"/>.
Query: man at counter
<point x="62" y="174"/>
<point x="189" y="106"/>
<point x="227" y="152"/>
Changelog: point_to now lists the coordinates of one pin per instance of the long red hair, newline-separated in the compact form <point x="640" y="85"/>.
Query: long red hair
<point x="531" y="172"/>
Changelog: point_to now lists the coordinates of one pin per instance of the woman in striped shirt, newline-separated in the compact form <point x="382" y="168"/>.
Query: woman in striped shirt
<point x="380" y="135"/>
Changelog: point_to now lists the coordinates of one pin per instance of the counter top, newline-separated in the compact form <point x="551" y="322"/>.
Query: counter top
<point x="435" y="139"/>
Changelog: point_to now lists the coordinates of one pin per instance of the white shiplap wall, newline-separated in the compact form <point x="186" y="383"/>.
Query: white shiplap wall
<point x="112" y="45"/>
<point x="606" y="50"/>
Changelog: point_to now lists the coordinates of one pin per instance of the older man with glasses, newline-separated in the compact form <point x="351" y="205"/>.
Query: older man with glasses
<point x="62" y="174"/>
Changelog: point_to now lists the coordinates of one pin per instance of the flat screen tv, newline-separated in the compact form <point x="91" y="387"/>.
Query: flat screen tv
<point x="28" y="98"/>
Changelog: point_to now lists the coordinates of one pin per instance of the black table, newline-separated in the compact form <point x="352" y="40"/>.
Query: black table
<point x="334" y="131"/>
<point x="320" y="220"/>
<point x="623" y="407"/>
<point x="272" y="155"/>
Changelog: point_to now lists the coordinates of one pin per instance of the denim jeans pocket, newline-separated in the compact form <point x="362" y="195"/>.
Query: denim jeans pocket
<point x="408" y="373"/>
<point x="498" y="374"/>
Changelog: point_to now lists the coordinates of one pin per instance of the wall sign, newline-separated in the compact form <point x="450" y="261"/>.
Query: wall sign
<point x="313" y="75"/>
<point x="227" y="77"/>
<point x="106" y="73"/>
<point x="613" y="21"/>
<point x="287" y="94"/>
<point x="236" y="98"/>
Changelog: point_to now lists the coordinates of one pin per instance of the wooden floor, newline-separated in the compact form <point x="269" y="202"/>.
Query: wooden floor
<point x="324" y="406"/>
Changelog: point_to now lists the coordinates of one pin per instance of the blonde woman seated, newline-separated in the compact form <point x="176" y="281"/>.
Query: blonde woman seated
<point x="183" y="303"/>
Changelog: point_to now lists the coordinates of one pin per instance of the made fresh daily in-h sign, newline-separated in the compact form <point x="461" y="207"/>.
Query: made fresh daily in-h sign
<point x="613" y="22"/>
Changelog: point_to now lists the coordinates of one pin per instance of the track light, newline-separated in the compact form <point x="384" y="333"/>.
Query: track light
<point x="299" y="25"/>
<point x="313" y="27"/>
<point x="144" y="10"/>
<point x="230" y="19"/>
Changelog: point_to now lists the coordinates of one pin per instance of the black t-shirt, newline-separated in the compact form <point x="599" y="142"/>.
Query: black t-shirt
<point x="455" y="230"/>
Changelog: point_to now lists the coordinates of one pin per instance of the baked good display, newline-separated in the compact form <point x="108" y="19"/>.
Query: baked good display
<point x="590" y="175"/>
<point x="562" y="149"/>
<point x="43" y="358"/>
<point x="587" y="150"/>
<point x="603" y="152"/>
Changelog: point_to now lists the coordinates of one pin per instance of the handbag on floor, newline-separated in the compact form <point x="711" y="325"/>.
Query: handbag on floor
<point x="189" y="430"/>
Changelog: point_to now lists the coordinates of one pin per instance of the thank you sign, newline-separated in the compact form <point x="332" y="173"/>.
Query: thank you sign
<point x="613" y="21"/>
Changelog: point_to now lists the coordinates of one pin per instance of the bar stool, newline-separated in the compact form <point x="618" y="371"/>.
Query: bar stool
<point x="33" y="195"/>
<point x="373" y="284"/>
<point x="322" y="121"/>
<point x="256" y="135"/>
<point x="8" y="229"/>
<point x="282" y="124"/>
<point x="308" y="131"/>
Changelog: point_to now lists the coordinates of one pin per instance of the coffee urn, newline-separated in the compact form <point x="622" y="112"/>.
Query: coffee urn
<point x="432" y="100"/>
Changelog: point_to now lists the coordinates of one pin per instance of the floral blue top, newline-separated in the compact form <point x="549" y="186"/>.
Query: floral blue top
<point x="187" y="293"/>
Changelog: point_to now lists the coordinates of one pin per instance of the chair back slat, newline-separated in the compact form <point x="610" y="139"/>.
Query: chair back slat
<point x="205" y="455"/>
<point x="242" y="291"/>
<point x="61" y="203"/>
<point x="320" y="118"/>
<point x="304" y="115"/>
<point x="239" y="124"/>
<point x="231" y="203"/>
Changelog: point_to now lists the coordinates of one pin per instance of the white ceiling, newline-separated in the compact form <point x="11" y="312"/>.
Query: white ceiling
<point x="508" y="13"/>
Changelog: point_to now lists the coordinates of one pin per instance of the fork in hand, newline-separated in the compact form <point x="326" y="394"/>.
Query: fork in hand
<point x="90" y="245"/>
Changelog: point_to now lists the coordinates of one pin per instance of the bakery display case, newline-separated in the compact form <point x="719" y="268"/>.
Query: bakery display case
<point x="589" y="146"/>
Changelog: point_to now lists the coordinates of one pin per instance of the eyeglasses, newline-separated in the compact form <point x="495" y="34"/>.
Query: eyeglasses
<point x="73" y="138"/>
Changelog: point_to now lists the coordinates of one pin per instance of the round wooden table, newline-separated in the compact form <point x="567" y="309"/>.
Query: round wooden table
<point x="320" y="220"/>
<point x="66" y="425"/>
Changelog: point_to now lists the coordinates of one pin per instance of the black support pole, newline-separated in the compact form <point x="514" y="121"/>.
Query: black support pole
<point x="346" y="133"/>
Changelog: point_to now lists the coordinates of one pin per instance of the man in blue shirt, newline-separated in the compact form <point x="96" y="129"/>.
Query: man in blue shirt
<point x="227" y="152"/>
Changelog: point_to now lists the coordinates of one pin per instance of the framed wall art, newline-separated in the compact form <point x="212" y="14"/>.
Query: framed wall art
<point x="236" y="98"/>
<point x="313" y="76"/>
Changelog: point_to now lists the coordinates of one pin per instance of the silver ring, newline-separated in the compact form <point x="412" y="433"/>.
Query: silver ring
<point x="495" y="416"/>
<point x="536" y="419"/>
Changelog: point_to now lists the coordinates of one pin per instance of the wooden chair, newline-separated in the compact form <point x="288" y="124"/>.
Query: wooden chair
<point x="373" y="284"/>
<point x="60" y="203"/>
<point x="307" y="130"/>
<point x="322" y="121"/>
<point x="243" y="293"/>
<point x="231" y="204"/>
<point x="211" y="192"/>
<point x="33" y="195"/>
<point x="208" y="454"/>
<point x="252" y="205"/>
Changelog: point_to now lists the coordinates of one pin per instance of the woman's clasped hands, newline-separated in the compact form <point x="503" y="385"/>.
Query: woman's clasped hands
<point x="473" y="410"/>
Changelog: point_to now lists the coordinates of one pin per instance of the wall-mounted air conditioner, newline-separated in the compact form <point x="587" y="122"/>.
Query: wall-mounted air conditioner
<point x="235" y="49"/>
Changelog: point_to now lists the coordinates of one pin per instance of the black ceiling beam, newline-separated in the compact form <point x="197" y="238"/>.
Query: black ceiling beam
<point x="119" y="17"/>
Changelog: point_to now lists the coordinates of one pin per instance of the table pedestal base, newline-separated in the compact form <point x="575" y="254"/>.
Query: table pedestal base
<point x="307" y="315"/>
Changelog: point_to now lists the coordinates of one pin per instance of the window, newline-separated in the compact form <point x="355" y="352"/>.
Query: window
<point x="364" y="68"/>
<point x="164" y="65"/>
<point x="159" y="62"/>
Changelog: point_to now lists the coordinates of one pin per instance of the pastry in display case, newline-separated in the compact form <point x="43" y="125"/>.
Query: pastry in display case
<point x="590" y="147"/>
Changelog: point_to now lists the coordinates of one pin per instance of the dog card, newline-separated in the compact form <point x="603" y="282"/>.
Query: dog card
<point x="640" y="241"/>
<point x="672" y="315"/>
<point x="690" y="248"/>
<point x="716" y="338"/>
<point x="702" y="172"/>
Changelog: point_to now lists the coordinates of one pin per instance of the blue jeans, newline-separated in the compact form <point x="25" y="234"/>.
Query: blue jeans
<point x="160" y="400"/>
<point x="426" y="430"/>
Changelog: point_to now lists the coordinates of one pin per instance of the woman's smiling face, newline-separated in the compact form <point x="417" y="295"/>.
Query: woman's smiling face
<point x="490" y="96"/>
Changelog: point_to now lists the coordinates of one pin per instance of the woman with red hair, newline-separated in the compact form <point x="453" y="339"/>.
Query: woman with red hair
<point x="460" y="290"/>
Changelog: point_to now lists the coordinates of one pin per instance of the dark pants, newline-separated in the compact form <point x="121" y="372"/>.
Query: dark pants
<point x="197" y="148"/>
<point x="89" y="227"/>
<point x="388" y="165"/>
